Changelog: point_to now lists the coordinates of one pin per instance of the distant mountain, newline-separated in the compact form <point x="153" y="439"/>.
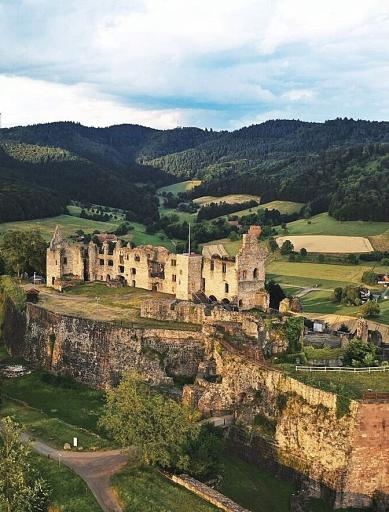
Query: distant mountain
<point x="340" y="165"/>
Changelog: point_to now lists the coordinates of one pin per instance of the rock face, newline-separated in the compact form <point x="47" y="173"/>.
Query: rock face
<point x="98" y="352"/>
<point x="306" y="430"/>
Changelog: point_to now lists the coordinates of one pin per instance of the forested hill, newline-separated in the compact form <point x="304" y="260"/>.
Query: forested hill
<point x="340" y="165"/>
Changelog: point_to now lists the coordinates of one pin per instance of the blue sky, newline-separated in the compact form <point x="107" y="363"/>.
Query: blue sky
<point x="208" y="63"/>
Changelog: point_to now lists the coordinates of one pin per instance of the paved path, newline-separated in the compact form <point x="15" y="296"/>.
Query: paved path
<point x="96" y="468"/>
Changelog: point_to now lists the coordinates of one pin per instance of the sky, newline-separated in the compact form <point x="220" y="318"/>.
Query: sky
<point x="218" y="64"/>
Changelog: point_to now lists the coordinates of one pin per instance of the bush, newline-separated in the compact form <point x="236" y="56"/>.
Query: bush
<point x="370" y="309"/>
<point x="287" y="247"/>
<point x="359" y="354"/>
<point x="385" y="262"/>
<point x="370" y="278"/>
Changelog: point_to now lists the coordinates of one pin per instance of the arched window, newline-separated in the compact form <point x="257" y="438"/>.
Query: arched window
<point x="255" y="273"/>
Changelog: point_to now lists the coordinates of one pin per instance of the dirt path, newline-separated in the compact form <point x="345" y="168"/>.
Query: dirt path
<point x="96" y="468"/>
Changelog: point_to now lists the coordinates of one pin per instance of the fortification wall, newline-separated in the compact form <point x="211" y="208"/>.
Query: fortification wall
<point x="343" y="450"/>
<point x="170" y="309"/>
<point x="98" y="352"/>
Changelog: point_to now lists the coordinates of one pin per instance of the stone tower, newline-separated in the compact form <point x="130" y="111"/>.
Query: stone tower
<point x="189" y="275"/>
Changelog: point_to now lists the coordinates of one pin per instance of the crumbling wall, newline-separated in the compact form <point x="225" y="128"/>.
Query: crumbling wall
<point x="188" y="312"/>
<point x="96" y="353"/>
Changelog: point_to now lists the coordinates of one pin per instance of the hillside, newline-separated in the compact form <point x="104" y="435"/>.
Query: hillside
<point x="340" y="166"/>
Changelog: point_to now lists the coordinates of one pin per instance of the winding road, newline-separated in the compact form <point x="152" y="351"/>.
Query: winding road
<point x="95" y="468"/>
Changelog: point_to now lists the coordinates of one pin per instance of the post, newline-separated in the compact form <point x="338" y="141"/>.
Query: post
<point x="189" y="241"/>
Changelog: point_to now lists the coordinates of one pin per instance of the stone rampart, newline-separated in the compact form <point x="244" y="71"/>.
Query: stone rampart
<point x="207" y="493"/>
<point x="98" y="352"/>
<point x="183" y="311"/>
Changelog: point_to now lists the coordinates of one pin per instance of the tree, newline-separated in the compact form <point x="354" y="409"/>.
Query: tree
<point x="370" y="309"/>
<point x="287" y="247"/>
<point x="135" y="415"/>
<point x="23" y="251"/>
<point x="273" y="246"/>
<point x="358" y="353"/>
<point x="21" y="487"/>
<point x="303" y="252"/>
<point x="370" y="278"/>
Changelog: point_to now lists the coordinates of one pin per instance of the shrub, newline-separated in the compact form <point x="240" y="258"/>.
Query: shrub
<point x="358" y="353"/>
<point x="370" y="309"/>
<point x="370" y="278"/>
<point x="287" y="247"/>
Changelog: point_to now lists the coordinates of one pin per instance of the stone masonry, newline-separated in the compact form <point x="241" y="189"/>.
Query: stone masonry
<point x="239" y="280"/>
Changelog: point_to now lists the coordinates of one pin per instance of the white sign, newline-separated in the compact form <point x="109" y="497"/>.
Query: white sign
<point x="75" y="442"/>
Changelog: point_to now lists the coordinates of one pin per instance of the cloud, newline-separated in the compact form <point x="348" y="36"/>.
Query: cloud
<point x="195" y="60"/>
<point x="28" y="101"/>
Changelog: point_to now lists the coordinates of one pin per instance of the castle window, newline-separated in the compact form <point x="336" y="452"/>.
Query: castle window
<point x="174" y="263"/>
<point x="212" y="266"/>
<point x="133" y="271"/>
<point x="121" y="269"/>
<point x="65" y="261"/>
<point x="121" y="260"/>
<point x="224" y="268"/>
<point x="56" y="262"/>
<point x="255" y="273"/>
<point x="110" y="263"/>
<point x="226" y="287"/>
<point x="127" y="257"/>
<point x="174" y="278"/>
<point x="133" y="284"/>
<point x="137" y="257"/>
<point x="101" y="262"/>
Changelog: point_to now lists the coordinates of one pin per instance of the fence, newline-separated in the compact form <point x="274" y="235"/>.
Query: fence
<point x="368" y="369"/>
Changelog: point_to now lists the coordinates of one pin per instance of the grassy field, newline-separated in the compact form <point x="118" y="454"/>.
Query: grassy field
<point x="69" y="224"/>
<point x="323" y="224"/>
<point x="352" y="385"/>
<point x="182" y="216"/>
<point x="69" y="492"/>
<point x="328" y="243"/>
<point x="254" y="488"/>
<point x="320" y="302"/>
<point x="286" y="207"/>
<point x="311" y="274"/>
<point x="230" y="198"/>
<point x="146" y="490"/>
<point x="183" y="186"/>
<point x="99" y="302"/>
<point x="64" y="399"/>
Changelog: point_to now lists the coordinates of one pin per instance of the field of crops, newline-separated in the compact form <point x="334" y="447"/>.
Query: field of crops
<point x="231" y="199"/>
<point x="183" y="186"/>
<point x="328" y="244"/>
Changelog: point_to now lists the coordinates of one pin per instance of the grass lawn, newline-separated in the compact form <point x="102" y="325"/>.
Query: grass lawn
<point x="183" y="186"/>
<point x="323" y="224"/>
<point x="352" y="385"/>
<point x="68" y="224"/>
<point x="49" y="429"/>
<point x="64" y="399"/>
<point x="119" y="305"/>
<point x="69" y="492"/>
<point x="286" y="207"/>
<point x="310" y="274"/>
<point x="230" y="199"/>
<point x="139" y="236"/>
<point x="254" y="488"/>
<point x="320" y="302"/>
<point x="182" y="216"/>
<point x="146" y="490"/>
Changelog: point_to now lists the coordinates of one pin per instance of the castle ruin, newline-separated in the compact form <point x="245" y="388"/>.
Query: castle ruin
<point x="238" y="280"/>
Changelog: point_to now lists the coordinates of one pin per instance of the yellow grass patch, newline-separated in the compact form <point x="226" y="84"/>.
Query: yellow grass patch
<point x="328" y="244"/>
<point x="231" y="199"/>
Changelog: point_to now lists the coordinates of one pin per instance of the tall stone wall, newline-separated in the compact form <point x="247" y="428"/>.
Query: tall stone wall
<point x="183" y="311"/>
<point x="346" y="454"/>
<point x="96" y="353"/>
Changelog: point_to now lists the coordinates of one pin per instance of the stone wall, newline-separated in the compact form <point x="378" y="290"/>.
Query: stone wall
<point x="96" y="353"/>
<point x="346" y="454"/>
<point x="170" y="309"/>
<point x="207" y="493"/>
